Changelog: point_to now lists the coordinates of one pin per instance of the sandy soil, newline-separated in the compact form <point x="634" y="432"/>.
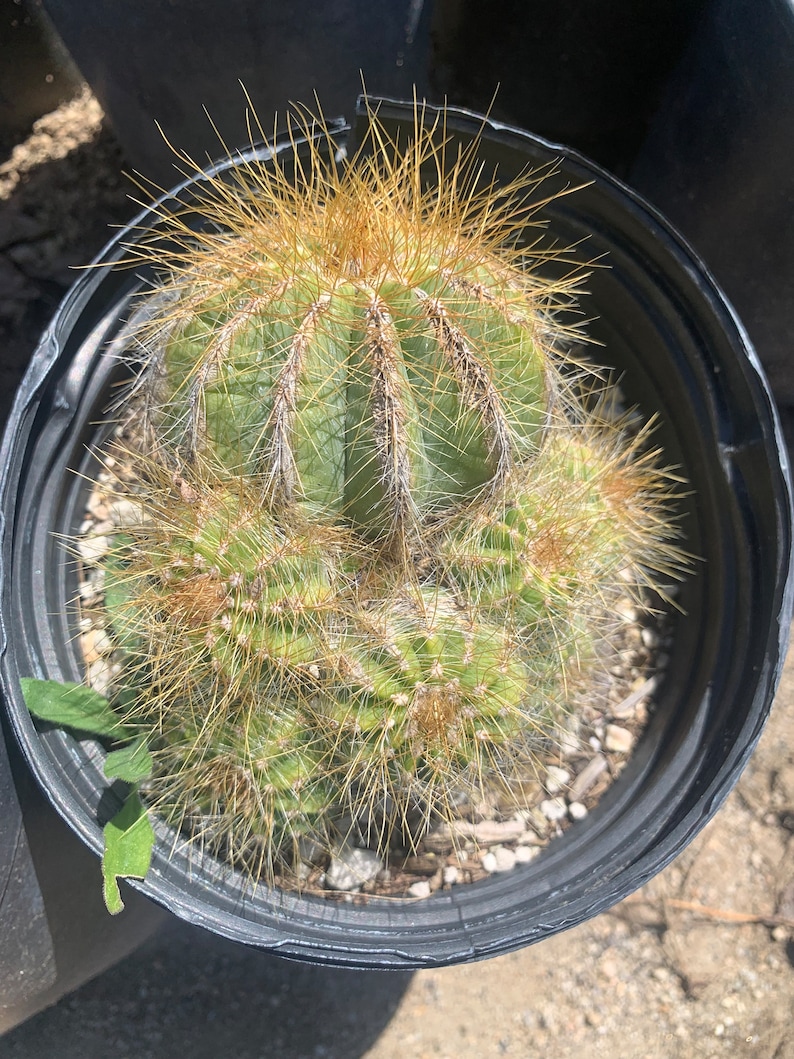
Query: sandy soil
<point x="698" y="964"/>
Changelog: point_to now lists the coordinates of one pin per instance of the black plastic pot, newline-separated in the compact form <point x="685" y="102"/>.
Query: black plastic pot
<point x="682" y="354"/>
<point x="719" y="161"/>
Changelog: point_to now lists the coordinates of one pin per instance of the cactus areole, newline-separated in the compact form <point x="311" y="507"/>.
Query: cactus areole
<point x="377" y="505"/>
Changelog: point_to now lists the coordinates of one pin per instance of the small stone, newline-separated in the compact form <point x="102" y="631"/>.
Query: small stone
<point x="488" y="832"/>
<point x="99" y="675"/>
<point x="587" y="777"/>
<point x="529" y="838"/>
<point x="92" y="549"/>
<point x="628" y="705"/>
<point x="524" y="854"/>
<point x="618" y="740"/>
<point x="94" y="643"/>
<point x="419" y="889"/>
<point x="88" y="592"/>
<point x="568" y="740"/>
<point x="351" y="867"/>
<point x="626" y="610"/>
<point x="489" y="862"/>
<point x="556" y="779"/>
<point x="505" y="858"/>
<point x="127" y="513"/>
<point x="97" y="505"/>
<point x="554" y="809"/>
<point x="577" y="811"/>
<point x="310" y="851"/>
<point x="650" y="638"/>
<point x="449" y="875"/>
<point x="103" y="644"/>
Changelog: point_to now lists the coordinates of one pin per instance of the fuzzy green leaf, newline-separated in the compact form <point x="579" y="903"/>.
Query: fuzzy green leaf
<point x="131" y="763"/>
<point x="71" y="705"/>
<point x="129" y="840"/>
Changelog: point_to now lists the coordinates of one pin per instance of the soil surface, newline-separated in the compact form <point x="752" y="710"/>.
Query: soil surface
<point x="697" y="965"/>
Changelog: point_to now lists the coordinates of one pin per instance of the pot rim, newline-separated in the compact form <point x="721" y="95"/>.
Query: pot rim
<point x="497" y="914"/>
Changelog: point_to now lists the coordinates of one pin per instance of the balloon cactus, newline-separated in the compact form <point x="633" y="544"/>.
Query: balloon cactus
<point x="382" y="518"/>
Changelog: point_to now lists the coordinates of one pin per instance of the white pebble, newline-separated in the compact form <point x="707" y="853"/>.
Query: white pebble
<point x="449" y="876"/>
<point x="619" y="740"/>
<point x="650" y="638"/>
<point x="420" y="889"/>
<point x="99" y="675"/>
<point x="351" y="867"/>
<point x="626" y="610"/>
<point x="126" y="513"/>
<point x="88" y="592"/>
<point x="577" y="811"/>
<point x="92" y="549"/>
<point x="505" y="858"/>
<point x="524" y="854"/>
<point x="556" y="779"/>
<point x="103" y="645"/>
<point x="568" y="739"/>
<point x="488" y="862"/>
<point x="554" y="808"/>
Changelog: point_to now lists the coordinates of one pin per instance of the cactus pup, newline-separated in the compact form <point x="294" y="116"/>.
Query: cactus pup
<point x="382" y="520"/>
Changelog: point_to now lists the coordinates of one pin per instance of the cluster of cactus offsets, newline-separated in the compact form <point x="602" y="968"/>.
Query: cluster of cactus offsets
<point x="381" y="537"/>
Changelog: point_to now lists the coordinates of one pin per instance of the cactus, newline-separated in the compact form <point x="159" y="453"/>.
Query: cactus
<point x="382" y="531"/>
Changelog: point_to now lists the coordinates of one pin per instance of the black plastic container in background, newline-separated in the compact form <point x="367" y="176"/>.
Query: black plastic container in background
<point x="665" y="327"/>
<point x="151" y="62"/>
<point x="583" y="72"/>
<point x="719" y="162"/>
<point x="36" y="73"/>
<point x="587" y="73"/>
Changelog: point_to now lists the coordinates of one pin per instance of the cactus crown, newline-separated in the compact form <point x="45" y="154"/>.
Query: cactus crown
<point x="380" y="533"/>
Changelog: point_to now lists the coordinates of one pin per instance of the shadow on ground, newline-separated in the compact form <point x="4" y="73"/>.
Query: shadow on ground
<point x="189" y="993"/>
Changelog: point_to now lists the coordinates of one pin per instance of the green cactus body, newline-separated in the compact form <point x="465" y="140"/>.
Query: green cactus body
<point x="374" y="398"/>
<point x="556" y="549"/>
<point x="424" y="686"/>
<point x="382" y="536"/>
<point x="255" y="785"/>
<point x="222" y="578"/>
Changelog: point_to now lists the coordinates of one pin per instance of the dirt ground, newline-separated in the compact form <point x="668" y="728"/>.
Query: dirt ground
<point x="698" y="964"/>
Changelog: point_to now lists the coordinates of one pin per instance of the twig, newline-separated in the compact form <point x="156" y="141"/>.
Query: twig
<point x="726" y="915"/>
